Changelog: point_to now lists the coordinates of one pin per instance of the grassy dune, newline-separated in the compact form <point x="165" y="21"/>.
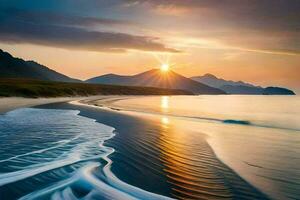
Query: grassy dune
<point x="36" y="88"/>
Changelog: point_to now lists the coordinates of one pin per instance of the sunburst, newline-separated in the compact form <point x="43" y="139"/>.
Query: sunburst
<point x="164" y="61"/>
<point x="165" y="67"/>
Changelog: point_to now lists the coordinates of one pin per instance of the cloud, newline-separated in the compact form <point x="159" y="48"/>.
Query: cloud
<point x="262" y="25"/>
<point x="54" y="18"/>
<point x="70" y="32"/>
<point x="263" y="14"/>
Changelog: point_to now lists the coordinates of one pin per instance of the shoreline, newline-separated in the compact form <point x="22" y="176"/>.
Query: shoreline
<point x="106" y="106"/>
<point x="11" y="103"/>
<point x="256" y="158"/>
<point x="92" y="107"/>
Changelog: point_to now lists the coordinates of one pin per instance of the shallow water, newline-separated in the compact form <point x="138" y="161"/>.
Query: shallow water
<point x="156" y="150"/>
<point x="257" y="136"/>
<point x="57" y="154"/>
<point x="152" y="154"/>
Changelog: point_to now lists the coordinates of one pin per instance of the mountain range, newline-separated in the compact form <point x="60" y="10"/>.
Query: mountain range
<point x="239" y="87"/>
<point x="156" y="78"/>
<point x="11" y="67"/>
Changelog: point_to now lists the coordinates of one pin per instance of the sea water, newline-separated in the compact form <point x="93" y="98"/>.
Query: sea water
<point x="58" y="154"/>
<point x="256" y="136"/>
<point x="182" y="147"/>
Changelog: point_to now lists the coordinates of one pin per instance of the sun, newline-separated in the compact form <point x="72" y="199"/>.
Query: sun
<point x="165" y="67"/>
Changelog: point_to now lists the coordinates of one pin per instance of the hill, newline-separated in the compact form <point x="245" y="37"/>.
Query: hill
<point x="37" y="88"/>
<point x="239" y="87"/>
<point x="11" y="67"/>
<point x="156" y="78"/>
<point x="277" y="91"/>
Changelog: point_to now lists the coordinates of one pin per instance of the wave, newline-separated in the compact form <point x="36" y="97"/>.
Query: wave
<point x="107" y="186"/>
<point x="59" y="144"/>
<point x="94" y="178"/>
<point x="232" y="121"/>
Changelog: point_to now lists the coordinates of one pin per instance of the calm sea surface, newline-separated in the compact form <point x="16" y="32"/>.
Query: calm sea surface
<point x="257" y="136"/>
<point x="183" y="147"/>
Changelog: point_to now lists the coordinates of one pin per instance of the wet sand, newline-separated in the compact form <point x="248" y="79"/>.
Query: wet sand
<point x="264" y="151"/>
<point x="11" y="103"/>
<point x="154" y="155"/>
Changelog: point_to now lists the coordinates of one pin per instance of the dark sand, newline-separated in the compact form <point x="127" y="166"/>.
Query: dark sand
<point x="151" y="156"/>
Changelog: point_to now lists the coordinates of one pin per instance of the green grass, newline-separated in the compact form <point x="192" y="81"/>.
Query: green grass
<point x="36" y="88"/>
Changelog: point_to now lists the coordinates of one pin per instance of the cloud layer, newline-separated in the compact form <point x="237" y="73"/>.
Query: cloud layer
<point x="262" y="25"/>
<point x="73" y="32"/>
<point x="119" y="25"/>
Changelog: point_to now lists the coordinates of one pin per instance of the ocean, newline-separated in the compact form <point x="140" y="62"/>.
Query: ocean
<point x="180" y="147"/>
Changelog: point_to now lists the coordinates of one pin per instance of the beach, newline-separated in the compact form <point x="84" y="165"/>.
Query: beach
<point x="11" y="103"/>
<point x="128" y="147"/>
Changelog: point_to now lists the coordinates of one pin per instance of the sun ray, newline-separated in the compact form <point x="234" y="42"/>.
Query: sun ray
<point x="164" y="61"/>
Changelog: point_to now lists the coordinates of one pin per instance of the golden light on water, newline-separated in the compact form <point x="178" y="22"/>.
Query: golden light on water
<point x="164" y="103"/>
<point x="165" y="120"/>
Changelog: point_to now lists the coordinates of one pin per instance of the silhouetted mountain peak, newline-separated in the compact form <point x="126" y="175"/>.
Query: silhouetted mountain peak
<point x="238" y="87"/>
<point x="157" y="78"/>
<point x="208" y="75"/>
<point x="214" y="81"/>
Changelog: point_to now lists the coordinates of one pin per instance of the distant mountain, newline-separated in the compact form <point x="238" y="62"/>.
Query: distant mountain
<point x="277" y="91"/>
<point x="213" y="81"/>
<point x="239" y="87"/>
<point x="155" y="78"/>
<point x="11" y="67"/>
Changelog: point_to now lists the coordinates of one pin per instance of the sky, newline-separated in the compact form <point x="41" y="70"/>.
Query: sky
<point x="257" y="41"/>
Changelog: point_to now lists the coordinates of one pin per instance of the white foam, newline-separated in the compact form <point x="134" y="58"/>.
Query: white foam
<point x="108" y="186"/>
<point x="26" y="173"/>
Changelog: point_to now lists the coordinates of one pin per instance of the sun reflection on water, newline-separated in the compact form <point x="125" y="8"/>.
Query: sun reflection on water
<point x="164" y="103"/>
<point x="165" y="120"/>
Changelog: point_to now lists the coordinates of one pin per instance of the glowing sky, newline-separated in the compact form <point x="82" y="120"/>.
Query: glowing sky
<point x="256" y="41"/>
